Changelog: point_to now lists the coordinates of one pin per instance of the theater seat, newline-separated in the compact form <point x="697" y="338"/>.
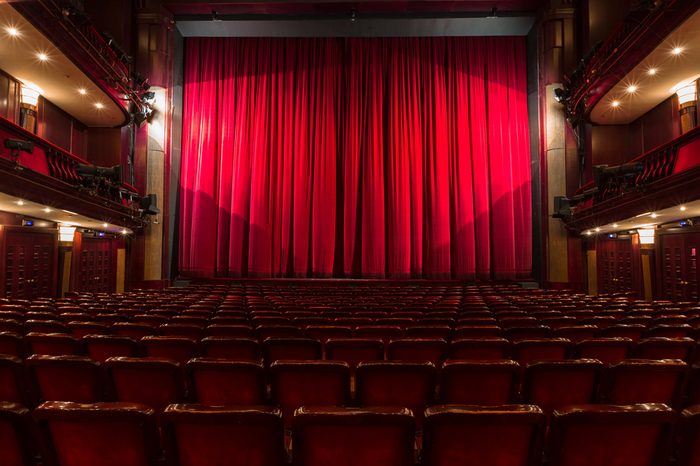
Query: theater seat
<point x="480" y="349"/>
<point x="198" y="435"/>
<point x="149" y="381"/>
<point x="492" y="382"/>
<point x="66" y="378"/>
<point x="610" y="435"/>
<point x="13" y="385"/>
<point x="607" y="350"/>
<point x="398" y="384"/>
<point x="353" y="436"/>
<point x="484" y="436"/>
<point x="552" y="349"/>
<point x="278" y="349"/>
<point x="12" y="344"/>
<point x="221" y="382"/>
<point x="178" y="349"/>
<point x="645" y="381"/>
<point x="54" y="344"/>
<point x="308" y="383"/>
<point x="354" y="350"/>
<point x="418" y="350"/>
<point x="235" y="349"/>
<point x="15" y="435"/>
<point x="102" y="347"/>
<point x="666" y="348"/>
<point x="556" y="384"/>
<point x="99" y="434"/>
<point x="689" y="435"/>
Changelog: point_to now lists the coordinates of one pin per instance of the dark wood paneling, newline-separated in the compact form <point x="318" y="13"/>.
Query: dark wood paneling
<point x="114" y="17"/>
<point x="9" y="218"/>
<point x="104" y="146"/>
<point x="94" y="264"/>
<point x="79" y="140"/>
<point x="28" y="262"/>
<point x="54" y="124"/>
<point x="604" y="16"/>
<point x="619" y="266"/>
<point x="677" y="266"/>
<point x="661" y="124"/>
<point x="610" y="144"/>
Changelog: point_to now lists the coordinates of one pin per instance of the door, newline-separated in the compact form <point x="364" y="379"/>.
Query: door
<point x="679" y="266"/>
<point x="619" y="266"/>
<point x="29" y="262"/>
<point x="93" y="268"/>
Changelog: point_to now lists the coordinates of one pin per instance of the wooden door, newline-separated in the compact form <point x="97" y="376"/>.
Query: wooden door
<point x="619" y="266"/>
<point x="93" y="268"/>
<point x="679" y="266"/>
<point x="28" y="262"/>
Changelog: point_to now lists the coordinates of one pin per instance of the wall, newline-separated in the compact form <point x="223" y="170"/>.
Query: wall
<point x="9" y="97"/>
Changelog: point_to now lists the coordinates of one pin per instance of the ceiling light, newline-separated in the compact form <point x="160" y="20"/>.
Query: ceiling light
<point x="29" y="93"/>
<point x="653" y="215"/>
<point x="632" y="88"/>
<point x="597" y="229"/>
<point x="82" y="91"/>
<point x="615" y="103"/>
<point x="99" y="105"/>
<point x="589" y="233"/>
<point x="105" y="225"/>
<point x="42" y="56"/>
<point x="677" y="50"/>
<point x="683" y="208"/>
<point x="12" y="31"/>
<point x="615" y="225"/>
<point x="651" y="71"/>
<point x="20" y="202"/>
<point x="124" y="232"/>
<point x="686" y="91"/>
<point x="47" y="209"/>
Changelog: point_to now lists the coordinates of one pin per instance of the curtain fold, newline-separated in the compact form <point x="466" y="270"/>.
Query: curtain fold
<point x="376" y="158"/>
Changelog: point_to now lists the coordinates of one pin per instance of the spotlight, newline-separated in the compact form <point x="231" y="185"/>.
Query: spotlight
<point x="16" y="144"/>
<point x="560" y="95"/>
<point x="116" y="48"/>
<point x="149" y="96"/>
<point x="92" y="171"/>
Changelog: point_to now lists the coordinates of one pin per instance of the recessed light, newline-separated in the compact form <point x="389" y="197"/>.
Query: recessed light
<point x="42" y="56"/>
<point x="653" y="215"/>
<point x="683" y="208"/>
<point x="12" y="31"/>
<point x="677" y="50"/>
<point x="47" y="209"/>
<point x="99" y="105"/>
<point x="124" y="232"/>
<point x="632" y="88"/>
<point x="615" y="103"/>
<point x="105" y="225"/>
<point x="589" y="233"/>
<point x="20" y="202"/>
<point x="615" y="225"/>
<point x="651" y="71"/>
<point x="82" y="91"/>
<point x="597" y="229"/>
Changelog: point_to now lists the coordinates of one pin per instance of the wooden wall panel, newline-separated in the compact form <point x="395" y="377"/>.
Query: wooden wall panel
<point x="104" y="146"/>
<point x="9" y="97"/>
<point x="54" y="124"/>
<point x="28" y="262"/>
<point x="619" y="266"/>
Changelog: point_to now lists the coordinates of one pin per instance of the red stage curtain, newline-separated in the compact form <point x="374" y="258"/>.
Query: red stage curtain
<point x="396" y="158"/>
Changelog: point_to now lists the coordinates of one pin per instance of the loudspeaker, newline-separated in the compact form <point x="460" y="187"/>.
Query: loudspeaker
<point x="149" y="205"/>
<point x="562" y="207"/>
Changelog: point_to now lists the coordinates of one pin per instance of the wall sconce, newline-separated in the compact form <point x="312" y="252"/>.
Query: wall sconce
<point x="687" y="99"/>
<point x="646" y="236"/>
<point x="65" y="233"/>
<point x="29" y="99"/>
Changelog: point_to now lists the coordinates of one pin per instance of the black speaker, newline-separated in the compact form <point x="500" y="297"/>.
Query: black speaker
<point x="562" y="207"/>
<point x="149" y="204"/>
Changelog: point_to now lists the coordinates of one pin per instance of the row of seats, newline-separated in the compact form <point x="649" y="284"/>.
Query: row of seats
<point x="351" y="350"/>
<point x="294" y="383"/>
<point x="125" y="434"/>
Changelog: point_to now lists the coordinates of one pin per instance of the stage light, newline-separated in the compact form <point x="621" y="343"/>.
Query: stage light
<point x="105" y="225"/>
<point x="615" y="225"/>
<point x="560" y="95"/>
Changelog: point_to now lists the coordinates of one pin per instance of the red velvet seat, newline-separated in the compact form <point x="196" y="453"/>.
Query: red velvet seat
<point x="689" y="436"/>
<point x="99" y="434"/>
<point x="12" y="344"/>
<point x="80" y="329"/>
<point x="279" y="349"/>
<point x="398" y="384"/>
<point x="323" y="333"/>
<point x="133" y="330"/>
<point x="385" y="333"/>
<point x="631" y="331"/>
<point x="231" y="331"/>
<point x="353" y="436"/>
<point x="666" y="348"/>
<point x="12" y="326"/>
<point x="608" y="435"/>
<point x="492" y="382"/>
<point x="308" y="383"/>
<point x="484" y="436"/>
<point x="278" y="331"/>
<point x="669" y="331"/>
<point x="178" y="349"/>
<point x="66" y="378"/>
<point x="443" y="332"/>
<point x="13" y="383"/>
<point x="193" y="332"/>
<point x="533" y="332"/>
<point x="645" y="381"/>
<point x="576" y="333"/>
<point x="197" y="435"/>
<point x="556" y="384"/>
<point x="153" y="382"/>
<point x="54" y="344"/>
<point x="221" y="382"/>
<point x="46" y="326"/>
<point x="102" y="347"/>
<point x="477" y="332"/>
<point x="354" y="350"/>
<point x="552" y="349"/>
<point x="236" y="349"/>
<point x="480" y="349"/>
<point x="15" y="435"/>
<point x="418" y="349"/>
<point x="607" y="350"/>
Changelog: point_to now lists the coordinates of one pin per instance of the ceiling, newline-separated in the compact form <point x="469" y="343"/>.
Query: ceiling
<point x="26" y="208"/>
<point x="58" y="77"/>
<point x="621" y="106"/>
<point x="331" y="7"/>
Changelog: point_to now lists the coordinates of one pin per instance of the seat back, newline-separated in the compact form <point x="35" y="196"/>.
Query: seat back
<point x="13" y="386"/>
<point x="221" y="382"/>
<point x="480" y="349"/>
<point x="666" y="348"/>
<point x="234" y="349"/>
<point x="552" y="349"/>
<point x="353" y="436"/>
<point x="152" y="382"/>
<point x="354" y="350"/>
<point x="606" y="350"/>
<point x="197" y="435"/>
<point x="645" y="381"/>
<point x="66" y="378"/>
<point x="12" y="344"/>
<point x="279" y="349"/>
<point x="53" y="344"/>
<point x="689" y="449"/>
<point x="490" y="382"/>
<point x="15" y="435"/>
<point x="178" y="349"/>
<point x="418" y="350"/>
<point x="105" y="434"/>
<point x="610" y="435"/>
<point x="555" y="384"/>
<point x="484" y="436"/>
<point x="398" y="384"/>
<point x="102" y="347"/>
<point x="308" y="383"/>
